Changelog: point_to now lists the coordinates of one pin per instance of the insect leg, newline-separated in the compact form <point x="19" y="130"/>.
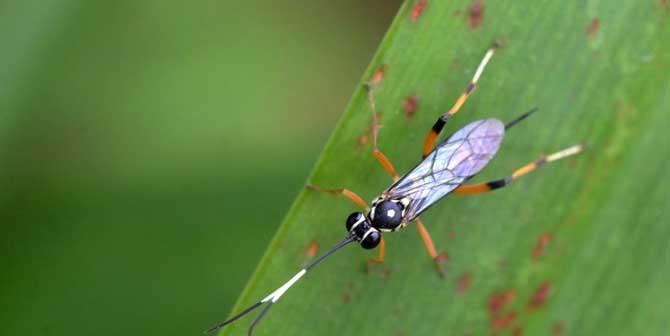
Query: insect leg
<point x="478" y="188"/>
<point x="342" y="192"/>
<point x="374" y="131"/>
<point x="438" y="258"/>
<point x="429" y="143"/>
<point x="382" y="250"/>
<point x="381" y="254"/>
<point x="379" y="259"/>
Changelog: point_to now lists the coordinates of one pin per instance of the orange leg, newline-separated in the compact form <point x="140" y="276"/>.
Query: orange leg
<point x="372" y="264"/>
<point x="342" y="192"/>
<point x="478" y="188"/>
<point x="381" y="254"/>
<point x="429" y="143"/>
<point x="374" y="131"/>
<point x="438" y="258"/>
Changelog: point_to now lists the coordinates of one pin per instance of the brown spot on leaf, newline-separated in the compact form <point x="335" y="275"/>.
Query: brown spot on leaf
<point x="502" y="322"/>
<point x="558" y="328"/>
<point x="663" y="7"/>
<point x="594" y="26"/>
<point x="363" y="139"/>
<point x="410" y="105"/>
<point x="378" y="77"/>
<point x="542" y="242"/>
<point x="498" y="301"/>
<point x="451" y="235"/>
<point x="312" y="249"/>
<point x="517" y="331"/>
<point x="463" y="283"/>
<point x="540" y="296"/>
<point x="346" y="297"/>
<point x="476" y="14"/>
<point x="377" y="268"/>
<point x="385" y="273"/>
<point x="418" y="9"/>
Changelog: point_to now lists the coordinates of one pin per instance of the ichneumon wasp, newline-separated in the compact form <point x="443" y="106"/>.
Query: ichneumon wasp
<point x="444" y="169"/>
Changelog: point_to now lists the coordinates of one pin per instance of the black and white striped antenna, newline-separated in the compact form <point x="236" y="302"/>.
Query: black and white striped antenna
<point x="274" y="296"/>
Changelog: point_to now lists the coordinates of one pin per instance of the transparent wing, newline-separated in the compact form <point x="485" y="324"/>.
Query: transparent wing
<point x="451" y="163"/>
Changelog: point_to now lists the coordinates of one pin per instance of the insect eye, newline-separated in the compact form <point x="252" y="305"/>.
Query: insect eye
<point x="388" y="215"/>
<point x="371" y="240"/>
<point x="354" y="218"/>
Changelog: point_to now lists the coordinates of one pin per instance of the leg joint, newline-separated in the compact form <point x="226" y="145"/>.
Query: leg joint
<point x="496" y="184"/>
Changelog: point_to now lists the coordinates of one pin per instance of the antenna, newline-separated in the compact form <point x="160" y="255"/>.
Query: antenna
<point x="274" y="296"/>
<point x="520" y="118"/>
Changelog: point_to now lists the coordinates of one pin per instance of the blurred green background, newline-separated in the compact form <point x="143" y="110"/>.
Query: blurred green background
<point x="149" y="149"/>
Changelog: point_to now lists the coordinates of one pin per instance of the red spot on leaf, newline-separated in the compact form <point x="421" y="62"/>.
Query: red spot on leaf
<point x="594" y="26"/>
<point x="464" y="283"/>
<point x="363" y="139"/>
<point x="377" y="77"/>
<point x="540" y="296"/>
<point x="542" y="242"/>
<point x="312" y="249"/>
<point x="497" y="301"/>
<point x="503" y="321"/>
<point x="476" y="15"/>
<point x="410" y="105"/>
<point x="557" y="329"/>
<point x="418" y="9"/>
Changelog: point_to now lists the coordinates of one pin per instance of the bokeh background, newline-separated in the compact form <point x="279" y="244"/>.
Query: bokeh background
<point x="149" y="149"/>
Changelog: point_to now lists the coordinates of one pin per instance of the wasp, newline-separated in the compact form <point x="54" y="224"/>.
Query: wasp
<point x="444" y="169"/>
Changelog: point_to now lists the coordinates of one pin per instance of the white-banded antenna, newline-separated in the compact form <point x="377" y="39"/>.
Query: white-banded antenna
<point x="565" y="153"/>
<point x="274" y="296"/>
<point x="482" y="65"/>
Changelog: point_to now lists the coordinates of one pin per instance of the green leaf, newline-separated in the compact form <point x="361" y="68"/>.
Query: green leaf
<point x="579" y="247"/>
